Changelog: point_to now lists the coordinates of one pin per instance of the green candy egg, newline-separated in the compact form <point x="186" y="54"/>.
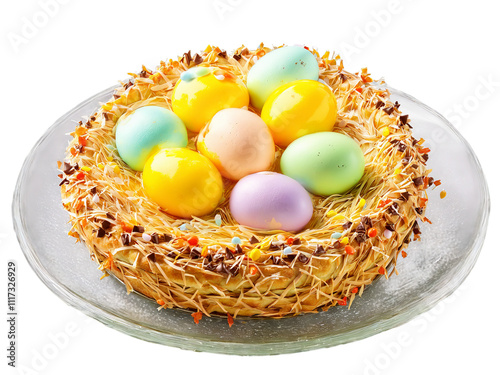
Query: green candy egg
<point x="325" y="163"/>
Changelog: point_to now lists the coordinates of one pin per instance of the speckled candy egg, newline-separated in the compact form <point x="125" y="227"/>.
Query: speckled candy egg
<point x="269" y="200"/>
<point x="145" y="131"/>
<point x="183" y="182"/>
<point x="324" y="163"/>
<point x="280" y="66"/>
<point x="238" y="142"/>
<point x="201" y="92"/>
<point x="299" y="108"/>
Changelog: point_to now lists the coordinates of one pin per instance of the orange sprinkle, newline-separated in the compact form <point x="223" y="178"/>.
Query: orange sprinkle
<point x="437" y="182"/>
<point x="289" y="240"/>
<point x="193" y="240"/>
<point x="359" y="89"/>
<point x="424" y="150"/>
<point x="381" y="270"/>
<point x="442" y="194"/>
<point x="382" y="203"/>
<point x="73" y="152"/>
<point x="230" y="320"/>
<point x="126" y="227"/>
<point x="59" y="164"/>
<point x="343" y="302"/>
<point x="84" y="222"/>
<point x="197" y="316"/>
<point x="80" y="176"/>
<point x="81" y="130"/>
<point x="160" y="302"/>
<point x="253" y="270"/>
<point x="423" y="202"/>
<point x="404" y="254"/>
<point x="349" y="250"/>
<point x="354" y="290"/>
<point x="372" y="232"/>
<point x="427" y="220"/>
<point x="82" y="141"/>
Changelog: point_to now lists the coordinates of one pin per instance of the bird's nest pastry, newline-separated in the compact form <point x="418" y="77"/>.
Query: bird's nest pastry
<point x="212" y="262"/>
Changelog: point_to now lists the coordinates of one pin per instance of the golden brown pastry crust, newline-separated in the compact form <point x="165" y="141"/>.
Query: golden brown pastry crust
<point x="125" y="231"/>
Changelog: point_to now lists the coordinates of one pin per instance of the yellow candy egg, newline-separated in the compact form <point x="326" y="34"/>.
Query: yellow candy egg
<point x="299" y="108"/>
<point x="201" y="92"/>
<point x="183" y="182"/>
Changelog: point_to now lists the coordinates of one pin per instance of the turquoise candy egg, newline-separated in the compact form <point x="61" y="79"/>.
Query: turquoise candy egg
<point x="280" y="66"/>
<point x="147" y="130"/>
<point x="325" y="163"/>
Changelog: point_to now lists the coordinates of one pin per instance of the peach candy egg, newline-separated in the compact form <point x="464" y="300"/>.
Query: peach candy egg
<point x="238" y="142"/>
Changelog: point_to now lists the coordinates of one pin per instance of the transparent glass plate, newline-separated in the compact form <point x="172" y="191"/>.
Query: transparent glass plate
<point x="434" y="268"/>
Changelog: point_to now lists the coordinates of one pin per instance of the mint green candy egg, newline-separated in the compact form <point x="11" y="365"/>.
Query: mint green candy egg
<point x="325" y="163"/>
<point x="147" y="130"/>
<point x="278" y="67"/>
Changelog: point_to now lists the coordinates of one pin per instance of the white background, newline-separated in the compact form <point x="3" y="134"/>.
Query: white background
<point x="441" y="52"/>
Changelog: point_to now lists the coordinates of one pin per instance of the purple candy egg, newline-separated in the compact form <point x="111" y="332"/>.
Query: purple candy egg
<point x="269" y="200"/>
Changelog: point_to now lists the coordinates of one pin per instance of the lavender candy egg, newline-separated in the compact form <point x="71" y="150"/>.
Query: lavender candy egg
<point x="271" y="201"/>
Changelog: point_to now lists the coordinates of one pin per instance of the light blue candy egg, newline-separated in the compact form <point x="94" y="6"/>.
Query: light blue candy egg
<point x="280" y="66"/>
<point x="145" y="131"/>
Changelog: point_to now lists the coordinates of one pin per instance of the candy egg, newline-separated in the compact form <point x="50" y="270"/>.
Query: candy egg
<point x="269" y="201"/>
<point x="299" y="108"/>
<point x="280" y="66"/>
<point x="145" y="131"/>
<point x="324" y="163"/>
<point x="238" y="142"/>
<point x="183" y="182"/>
<point x="201" y="92"/>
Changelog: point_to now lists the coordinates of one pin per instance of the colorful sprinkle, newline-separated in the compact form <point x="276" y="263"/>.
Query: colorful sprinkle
<point x="253" y="270"/>
<point x="95" y="198"/>
<point x="255" y="254"/>
<point x="331" y="213"/>
<point x="85" y="168"/>
<point x="146" y="237"/>
<point x="236" y="241"/>
<point x="109" y="158"/>
<point x="381" y="270"/>
<point x="344" y="241"/>
<point x="442" y="194"/>
<point x="220" y="77"/>
<point x="349" y="250"/>
<point x="218" y="220"/>
<point x="287" y="250"/>
<point x="404" y="254"/>
<point x="343" y="302"/>
<point x="281" y="237"/>
<point x="197" y="316"/>
<point x="397" y="171"/>
<point x="354" y="290"/>
<point x="386" y="131"/>
<point x="100" y="166"/>
<point x="362" y="203"/>
<point x="160" y="302"/>
<point x="183" y="227"/>
<point x="290" y="240"/>
<point x="372" y="232"/>
<point x="193" y="240"/>
<point x="387" y="233"/>
<point x="336" y="235"/>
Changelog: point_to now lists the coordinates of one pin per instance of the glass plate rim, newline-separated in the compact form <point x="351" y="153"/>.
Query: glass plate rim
<point x="133" y="328"/>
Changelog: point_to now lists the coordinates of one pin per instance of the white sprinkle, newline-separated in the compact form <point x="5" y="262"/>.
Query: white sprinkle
<point x="118" y="180"/>
<point x="146" y="237"/>
<point x="287" y="250"/>
<point x="95" y="198"/>
<point x="387" y="233"/>
<point x="220" y="77"/>
<point x="281" y="237"/>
